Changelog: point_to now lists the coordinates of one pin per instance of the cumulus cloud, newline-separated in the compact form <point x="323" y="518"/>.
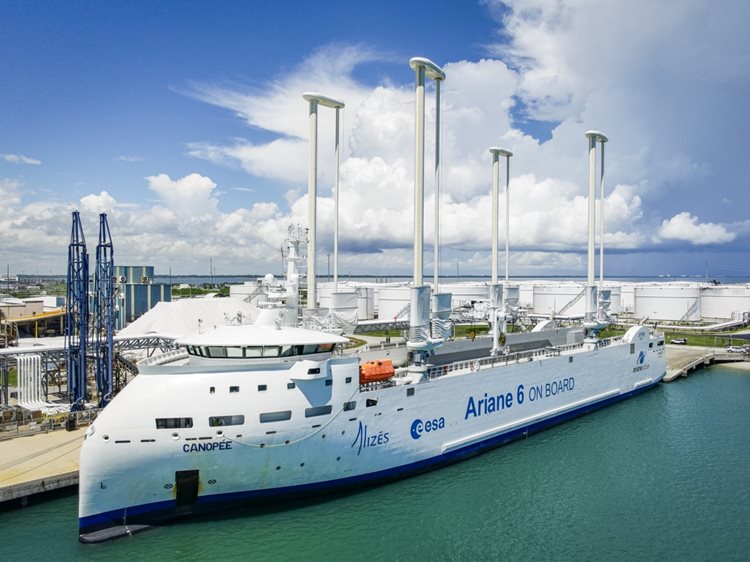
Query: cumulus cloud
<point x="685" y="226"/>
<point x="561" y="61"/>
<point x="98" y="203"/>
<point x="20" y="159"/>
<point x="190" y="198"/>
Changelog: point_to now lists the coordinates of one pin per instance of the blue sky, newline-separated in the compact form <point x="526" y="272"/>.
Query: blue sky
<point x="184" y="122"/>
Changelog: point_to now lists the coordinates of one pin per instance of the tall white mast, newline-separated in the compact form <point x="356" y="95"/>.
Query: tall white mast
<point x="314" y="100"/>
<point x="438" y="82"/>
<point x="422" y="68"/>
<point x="601" y="220"/>
<point x="494" y="291"/>
<point x="593" y="137"/>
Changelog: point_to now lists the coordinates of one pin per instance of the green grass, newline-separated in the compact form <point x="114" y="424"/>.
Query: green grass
<point x="197" y="291"/>
<point x="705" y="339"/>
<point x="12" y="377"/>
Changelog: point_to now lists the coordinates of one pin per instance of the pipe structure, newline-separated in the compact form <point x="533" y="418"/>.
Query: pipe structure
<point x="593" y="137"/>
<point x="495" y="207"/>
<point x="436" y="280"/>
<point x="601" y="219"/>
<point x="336" y="208"/>
<point x="314" y="99"/>
<point x="423" y="68"/>
<point x="507" y="154"/>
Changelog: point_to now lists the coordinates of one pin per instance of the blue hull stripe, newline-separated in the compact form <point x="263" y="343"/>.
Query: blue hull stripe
<point x="115" y="517"/>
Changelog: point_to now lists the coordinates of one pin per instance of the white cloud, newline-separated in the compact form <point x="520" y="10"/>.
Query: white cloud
<point x="129" y="158"/>
<point x="190" y="198"/>
<point x="20" y="159"/>
<point x="98" y="203"/>
<point x="685" y="226"/>
<point x="633" y="70"/>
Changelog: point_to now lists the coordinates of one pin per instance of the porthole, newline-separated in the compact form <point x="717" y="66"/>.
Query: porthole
<point x="105" y="437"/>
<point x="175" y="436"/>
<point x="278" y="468"/>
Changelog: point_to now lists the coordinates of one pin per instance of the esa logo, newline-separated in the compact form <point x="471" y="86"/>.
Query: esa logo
<point x="641" y="357"/>
<point x="418" y="426"/>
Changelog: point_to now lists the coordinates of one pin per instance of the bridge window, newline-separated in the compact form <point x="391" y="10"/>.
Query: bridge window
<point x="217" y="352"/>
<point x="282" y="415"/>
<point x="349" y="406"/>
<point x="218" y="421"/>
<point x="271" y="351"/>
<point x="234" y="351"/>
<point x="173" y="423"/>
<point x="255" y="351"/>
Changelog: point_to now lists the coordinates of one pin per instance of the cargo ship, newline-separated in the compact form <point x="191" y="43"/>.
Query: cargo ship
<point x="257" y="413"/>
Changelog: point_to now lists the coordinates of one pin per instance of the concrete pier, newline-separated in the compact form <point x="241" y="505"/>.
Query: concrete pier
<point x="39" y="463"/>
<point x="682" y="359"/>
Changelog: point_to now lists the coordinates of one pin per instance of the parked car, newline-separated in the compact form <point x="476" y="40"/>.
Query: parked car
<point x="735" y="349"/>
<point x="679" y="341"/>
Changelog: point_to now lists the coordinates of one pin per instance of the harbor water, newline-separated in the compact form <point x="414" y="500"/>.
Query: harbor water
<point x="664" y="476"/>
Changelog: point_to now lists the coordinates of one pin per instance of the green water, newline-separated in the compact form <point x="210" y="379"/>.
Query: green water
<point x="663" y="476"/>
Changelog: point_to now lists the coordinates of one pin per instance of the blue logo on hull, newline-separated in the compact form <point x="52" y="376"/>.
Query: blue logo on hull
<point x="418" y="426"/>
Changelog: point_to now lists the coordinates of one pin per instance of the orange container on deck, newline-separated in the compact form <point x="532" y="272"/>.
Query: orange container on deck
<point x="374" y="371"/>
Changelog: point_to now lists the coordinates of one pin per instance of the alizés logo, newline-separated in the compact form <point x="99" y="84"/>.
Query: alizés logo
<point x="641" y="357"/>
<point x="363" y="441"/>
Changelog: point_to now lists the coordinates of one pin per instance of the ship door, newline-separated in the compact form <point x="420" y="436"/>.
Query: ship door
<point x="187" y="487"/>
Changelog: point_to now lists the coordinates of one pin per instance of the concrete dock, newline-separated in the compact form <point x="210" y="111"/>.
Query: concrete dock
<point x="682" y="359"/>
<point x="39" y="463"/>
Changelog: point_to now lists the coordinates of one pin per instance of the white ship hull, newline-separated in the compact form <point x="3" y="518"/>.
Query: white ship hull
<point x="133" y="474"/>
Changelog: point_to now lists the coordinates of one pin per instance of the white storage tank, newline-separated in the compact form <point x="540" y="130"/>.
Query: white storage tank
<point x="393" y="302"/>
<point x="366" y="303"/>
<point x="243" y="290"/>
<point x="627" y="297"/>
<point x="720" y="301"/>
<point x="553" y="298"/>
<point x="466" y="293"/>
<point x="677" y="302"/>
<point x="526" y="294"/>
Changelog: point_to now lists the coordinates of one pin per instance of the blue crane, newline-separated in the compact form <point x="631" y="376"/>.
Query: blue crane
<point x="76" y="314"/>
<point x="104" y="311"/>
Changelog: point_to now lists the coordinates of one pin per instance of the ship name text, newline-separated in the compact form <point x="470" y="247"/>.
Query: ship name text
<point x="211" y="446"/>
<point x="489" y="404"/>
